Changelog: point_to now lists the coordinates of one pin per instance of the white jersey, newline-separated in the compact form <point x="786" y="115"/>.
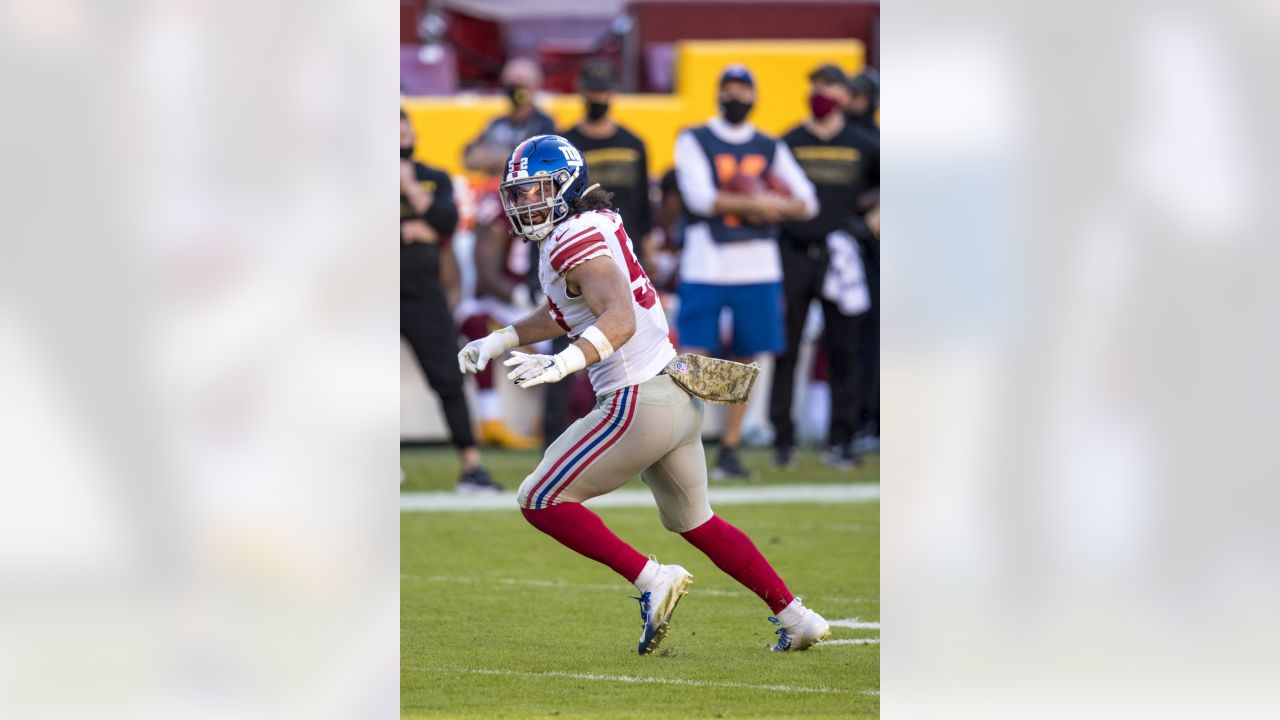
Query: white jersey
<point x="745" y="262"/>
<point x="599" y="233"/>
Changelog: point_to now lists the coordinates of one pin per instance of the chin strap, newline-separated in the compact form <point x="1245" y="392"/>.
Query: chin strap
<point x="588" y="190"/>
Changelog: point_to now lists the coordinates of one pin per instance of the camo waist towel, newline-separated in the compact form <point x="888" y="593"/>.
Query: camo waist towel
<point x="720" y="381"/>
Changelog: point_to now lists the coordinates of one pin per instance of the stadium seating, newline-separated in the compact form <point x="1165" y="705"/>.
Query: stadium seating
<point x="560" y="33"/>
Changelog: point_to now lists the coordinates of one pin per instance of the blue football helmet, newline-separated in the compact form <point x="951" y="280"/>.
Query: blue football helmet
<point x="545" y="177"/>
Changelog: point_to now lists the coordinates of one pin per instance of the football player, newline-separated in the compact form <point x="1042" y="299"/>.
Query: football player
<point x="643" y="423"/>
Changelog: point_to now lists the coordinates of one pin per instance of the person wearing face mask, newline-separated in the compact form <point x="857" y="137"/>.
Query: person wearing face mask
<point x="737" y="185"/>
<point x="617" y="157"/>
<point x="842" y="163"/>
<point x="521" y="78"/>
<point x="429" y="285"/>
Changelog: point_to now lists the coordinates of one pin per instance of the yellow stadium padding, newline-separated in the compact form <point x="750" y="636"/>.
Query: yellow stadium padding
<point x="781" y="68"/>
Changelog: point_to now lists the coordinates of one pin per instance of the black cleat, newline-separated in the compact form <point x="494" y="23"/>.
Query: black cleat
<point x="729" y="468"/>
<point x="784" y="458"/>
<point x="477" y="481"/>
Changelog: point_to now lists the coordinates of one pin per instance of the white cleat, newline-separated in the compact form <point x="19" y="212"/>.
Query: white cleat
<point x="658" y="603"/>
<point x="810" y="630"/>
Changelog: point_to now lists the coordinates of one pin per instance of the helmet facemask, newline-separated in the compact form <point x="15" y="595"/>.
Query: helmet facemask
<point x="535" y="204"/>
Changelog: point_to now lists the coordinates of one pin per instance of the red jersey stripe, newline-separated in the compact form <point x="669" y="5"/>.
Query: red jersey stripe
<point x="568" y="248"/>
<point x="569" y="239"/>
<point x="587" y="253"/>
<point x="557" y="315"/>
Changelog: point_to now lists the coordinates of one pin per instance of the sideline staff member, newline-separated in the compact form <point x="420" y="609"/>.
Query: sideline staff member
<point x="615" y="155"/>
<point x="521" y="78"/>
<point x="841" y="162"/>
<point x="428" y="270"/>
<point x="730" y="256"/>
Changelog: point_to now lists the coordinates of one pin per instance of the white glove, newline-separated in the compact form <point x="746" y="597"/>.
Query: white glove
<point x="476" y="354"/>
<point x="534" y="369"/>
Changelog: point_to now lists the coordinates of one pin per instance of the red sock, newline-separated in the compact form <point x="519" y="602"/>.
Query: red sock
<point x="733" y="552"/>
<point x="582" y="531"/>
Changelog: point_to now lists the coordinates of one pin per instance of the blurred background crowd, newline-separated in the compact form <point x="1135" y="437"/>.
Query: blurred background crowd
<point x="678" y="108"/>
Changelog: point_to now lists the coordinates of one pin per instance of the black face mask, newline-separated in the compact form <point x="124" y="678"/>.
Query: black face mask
<point x="596" y="110"/>
<point x="517" y="95"/>
<point x="735" y="111"/>
<point x="406" y="152"/>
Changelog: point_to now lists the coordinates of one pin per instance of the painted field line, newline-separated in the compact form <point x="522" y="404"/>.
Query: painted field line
<point x="635" y="679"/>
<point x="851" y="641"/>
<point x="855" y="624"/>
<point x="561" y="585"/>
<point x="768" y="494"/>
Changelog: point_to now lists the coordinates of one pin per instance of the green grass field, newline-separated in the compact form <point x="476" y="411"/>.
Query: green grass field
<point x="499" y="621"/>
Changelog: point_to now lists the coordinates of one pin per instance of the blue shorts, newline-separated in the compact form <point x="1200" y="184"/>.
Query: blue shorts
<point x="758" y="324"/>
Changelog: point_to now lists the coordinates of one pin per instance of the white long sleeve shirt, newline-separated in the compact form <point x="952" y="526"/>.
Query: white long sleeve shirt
<point x="740" y="263"/>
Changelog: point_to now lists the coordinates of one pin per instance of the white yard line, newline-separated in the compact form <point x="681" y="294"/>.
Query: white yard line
<point x="855" y="624"/>
<point x="751" y="495"/>
<point x="852" y="641"/>
<point x="636" y="679"/>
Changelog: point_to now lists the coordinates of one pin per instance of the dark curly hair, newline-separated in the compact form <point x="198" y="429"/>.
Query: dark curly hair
<point x="597" y="199"/>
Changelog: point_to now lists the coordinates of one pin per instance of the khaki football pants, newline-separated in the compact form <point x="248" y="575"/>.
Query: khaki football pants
<point x="653" y="430"/>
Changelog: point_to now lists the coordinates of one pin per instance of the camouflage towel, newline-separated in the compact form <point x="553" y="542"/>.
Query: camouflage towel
<point x="720" y="381"/>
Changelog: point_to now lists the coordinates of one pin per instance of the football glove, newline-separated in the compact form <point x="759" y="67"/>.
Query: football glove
<point x="531" y="369"/>
<point x="476" y="354"/>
